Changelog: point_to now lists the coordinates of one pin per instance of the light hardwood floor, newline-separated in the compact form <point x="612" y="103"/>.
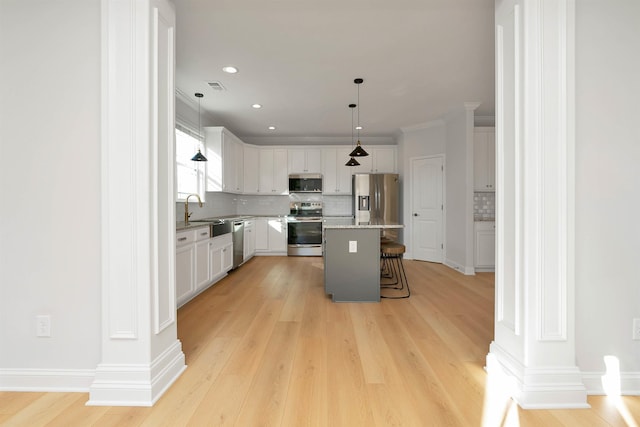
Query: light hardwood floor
<point x="266" y="347"/>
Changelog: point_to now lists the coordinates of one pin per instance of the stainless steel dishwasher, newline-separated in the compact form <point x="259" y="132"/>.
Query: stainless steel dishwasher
<point x="238" y="243"/>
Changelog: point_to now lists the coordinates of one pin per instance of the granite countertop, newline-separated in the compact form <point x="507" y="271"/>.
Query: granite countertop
<point x="351" y="223"/>
<point x="204" y="222"/>
<point x="181" y="226"/>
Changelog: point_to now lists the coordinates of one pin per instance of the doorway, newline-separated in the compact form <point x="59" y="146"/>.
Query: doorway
<point x="427" y="208"/>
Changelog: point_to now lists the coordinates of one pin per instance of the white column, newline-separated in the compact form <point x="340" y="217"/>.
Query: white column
<point x="534" y="312"/>
<point x="141" y="355"/>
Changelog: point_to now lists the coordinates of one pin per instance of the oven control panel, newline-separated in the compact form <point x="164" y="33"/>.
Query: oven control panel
<point x="305" y="208"/>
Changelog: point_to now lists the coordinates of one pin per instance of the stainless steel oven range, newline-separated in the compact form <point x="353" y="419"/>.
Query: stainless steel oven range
<point x="304" y="229"/>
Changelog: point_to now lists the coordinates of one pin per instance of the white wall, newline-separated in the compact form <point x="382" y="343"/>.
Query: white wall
<point x="49" y="183"/>
<point x="607" y="182"/>
<point x="458" y="192"/>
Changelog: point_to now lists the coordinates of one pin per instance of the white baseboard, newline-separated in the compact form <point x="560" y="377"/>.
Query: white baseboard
<point x="47" y="380"/>
<point x="468" y="271"/>
<point x="629" y="383"/>
<point x="137" y="384"/>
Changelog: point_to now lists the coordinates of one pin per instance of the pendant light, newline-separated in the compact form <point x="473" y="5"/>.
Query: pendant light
<point x="352" y="161"/>
<point x="359" y="151"/>
<point x="199" y="157"/>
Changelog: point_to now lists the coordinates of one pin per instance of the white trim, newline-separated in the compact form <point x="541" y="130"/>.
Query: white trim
<point x="468" y="271"/>
<point x="46" y="380"/>
<point x="548" y="387"/>
<point x="629" y="383"/>
<point x="137" y="384"/>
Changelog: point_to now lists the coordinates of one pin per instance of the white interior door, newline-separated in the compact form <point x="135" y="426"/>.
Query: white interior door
<point x="427" y="208"/>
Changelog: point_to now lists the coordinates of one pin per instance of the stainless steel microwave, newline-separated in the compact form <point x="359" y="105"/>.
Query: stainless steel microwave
<point x="305" y="183"/>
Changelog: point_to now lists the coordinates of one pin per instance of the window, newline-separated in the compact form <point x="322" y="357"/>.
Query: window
<point x="190" y="175"/>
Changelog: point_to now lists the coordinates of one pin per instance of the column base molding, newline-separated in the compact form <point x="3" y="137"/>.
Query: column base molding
<point x="554" y="387"/>
<point x="137" y="384"/>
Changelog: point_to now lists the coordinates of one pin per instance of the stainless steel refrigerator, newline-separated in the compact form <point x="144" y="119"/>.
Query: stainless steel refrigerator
<point x="376" y="196"/>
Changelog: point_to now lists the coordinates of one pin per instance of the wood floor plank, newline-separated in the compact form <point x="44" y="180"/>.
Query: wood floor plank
<point x="266" y="347"/>
<point x="265" y="400"/>
<point x="306" y="403"/>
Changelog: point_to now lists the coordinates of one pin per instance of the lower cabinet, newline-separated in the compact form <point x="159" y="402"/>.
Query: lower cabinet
<point x="271" y="236"/>
<point x="185" y="271"/>
<point x="220" y="256"/>
<point x="249" y="246"/>
<point x="200" y="261"/>
<point x="485" y="245"/>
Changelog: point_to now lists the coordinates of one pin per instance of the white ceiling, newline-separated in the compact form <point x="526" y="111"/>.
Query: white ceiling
<point x="419" y="59"/>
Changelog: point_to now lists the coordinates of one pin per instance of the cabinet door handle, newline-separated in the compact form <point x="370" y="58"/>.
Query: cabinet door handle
<point x="415" y="214"/>
<point x="182" y="239"/>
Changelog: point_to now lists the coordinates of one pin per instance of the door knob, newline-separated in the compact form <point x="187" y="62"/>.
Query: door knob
<point x="415" y="214"/>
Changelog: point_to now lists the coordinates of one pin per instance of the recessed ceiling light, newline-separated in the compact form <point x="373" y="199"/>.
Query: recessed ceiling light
<point x="230" y="69"/>
<point x="272" y="128"/>
<point x="358" y="127"/>
<point x="257" y="106"/>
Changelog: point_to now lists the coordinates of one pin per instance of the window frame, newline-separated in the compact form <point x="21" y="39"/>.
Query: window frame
<point x="198" y="141"/>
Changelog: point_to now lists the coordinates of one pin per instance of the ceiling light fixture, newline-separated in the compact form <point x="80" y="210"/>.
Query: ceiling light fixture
<point x="230" y="69"/>
<point x="256" y="106"/>
<point x="352" y="161"/>
<point x="199" y="157"/>
<point x="272" y="128"/>
<point x="359" y="151"/>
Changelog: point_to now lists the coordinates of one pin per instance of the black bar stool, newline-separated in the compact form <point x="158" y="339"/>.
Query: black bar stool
<point x="392" y="268"/>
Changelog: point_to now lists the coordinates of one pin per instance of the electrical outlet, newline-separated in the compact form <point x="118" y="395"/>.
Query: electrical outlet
<point x="353" y="246"/>
<point x="43" y="326"/>
<point x="636" y="329"/>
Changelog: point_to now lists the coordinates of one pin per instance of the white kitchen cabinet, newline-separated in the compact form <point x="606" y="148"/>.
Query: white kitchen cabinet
<point x="336" y="176"/>
<point x="252" y="170"/>
<point x="273" y="176"/>
<point x="485" y="245"/>
<point x="271" y="236"/>
<point x="221" y="256"/>
<point x="249" y="247"/>
<point x="225" y="165"/>
<point x="304" y="160"/>
<point x="202" y="271"/>
<point x="379" y="160"/>
<point x="200" y="261"/>
<point x="484" y="159"/>
<point x="185" y="266"/>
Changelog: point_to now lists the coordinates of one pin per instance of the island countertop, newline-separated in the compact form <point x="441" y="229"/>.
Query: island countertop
<point x="352" y="223"/>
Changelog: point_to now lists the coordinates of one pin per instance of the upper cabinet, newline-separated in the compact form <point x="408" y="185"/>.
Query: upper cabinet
<point x="251" y="170"/>
<point x="273" y="171"/>
<point x="484" y="159"/>
<point x="379" y="160"/>
<point x="236" y="167"/>
<point x="305" y="160"/>
<point x="336" y="176"/>
<point x="225" y="165"/>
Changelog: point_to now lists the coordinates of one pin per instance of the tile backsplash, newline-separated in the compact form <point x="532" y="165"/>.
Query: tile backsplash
<point x="224" y="204"/>
<point x="484" y="206"/>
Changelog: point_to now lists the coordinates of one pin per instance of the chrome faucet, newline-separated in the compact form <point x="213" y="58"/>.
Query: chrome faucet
<point x="186" y="208"/>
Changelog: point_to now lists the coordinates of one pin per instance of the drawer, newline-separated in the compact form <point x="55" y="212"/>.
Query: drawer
<point x="485" y="225"/>
<point x="185" y="237"/>
<point x="203" y="233"/>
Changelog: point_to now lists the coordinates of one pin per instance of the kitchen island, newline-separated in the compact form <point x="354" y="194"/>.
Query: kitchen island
<point x="352" y="259"/>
